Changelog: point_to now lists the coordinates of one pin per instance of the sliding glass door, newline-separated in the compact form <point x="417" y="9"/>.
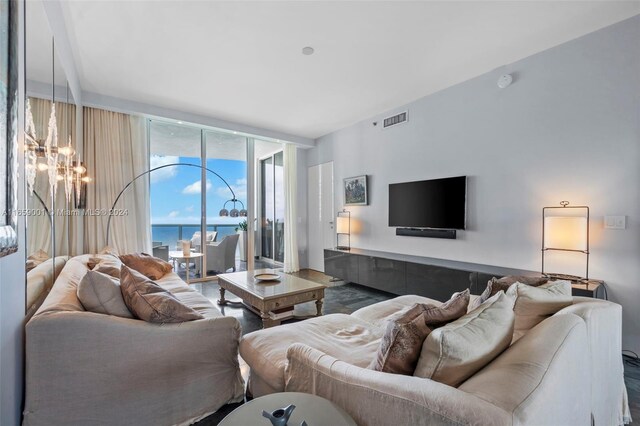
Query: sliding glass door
<point x="198" y="194"/>
<point x="272" y="207"/>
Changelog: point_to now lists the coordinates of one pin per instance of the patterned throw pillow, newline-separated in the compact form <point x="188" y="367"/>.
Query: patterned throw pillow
<point x="402" y="342"/>
<point x="149" y="266"/>
<point x="150" y="302"/>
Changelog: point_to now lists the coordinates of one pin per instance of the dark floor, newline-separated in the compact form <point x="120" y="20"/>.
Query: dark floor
<point x="347" y="298"/>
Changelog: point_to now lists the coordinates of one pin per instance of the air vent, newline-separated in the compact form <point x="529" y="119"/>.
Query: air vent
<point x="396" y="119"/>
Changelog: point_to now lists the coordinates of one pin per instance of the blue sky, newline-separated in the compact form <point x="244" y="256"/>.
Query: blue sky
<point x="175" y="191"/>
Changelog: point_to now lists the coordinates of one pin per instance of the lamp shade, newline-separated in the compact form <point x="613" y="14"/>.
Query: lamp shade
<point x="565" y="233"/>
<point x="342" y="225"/>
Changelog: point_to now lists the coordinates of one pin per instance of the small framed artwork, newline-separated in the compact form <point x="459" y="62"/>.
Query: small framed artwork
<point x="355" y="191"/>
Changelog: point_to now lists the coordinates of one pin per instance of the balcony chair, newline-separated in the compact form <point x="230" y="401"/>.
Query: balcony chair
<point x="221" y="256"/>
<point x="160" y="251"/>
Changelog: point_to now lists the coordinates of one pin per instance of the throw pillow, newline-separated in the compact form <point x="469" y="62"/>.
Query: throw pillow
<point x="111" y="251"/>
<point x="150" y="302"/>
<point x="498" y="284"/>
<point x="105" y="264"/>
<point x="151" y="267"/>
<point x="534" y="304"/>
<point x="402" y="342"/>
<point x="502" y="284"/>
<point x="453" y="353"/>
<point x="100" y="293"/>
<point x="36" y="259"/>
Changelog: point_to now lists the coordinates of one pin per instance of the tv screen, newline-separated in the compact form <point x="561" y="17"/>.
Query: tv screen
<point x="436" y="203"/>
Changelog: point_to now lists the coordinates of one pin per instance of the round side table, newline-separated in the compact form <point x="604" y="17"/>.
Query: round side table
<point x="316" y="411"/>
<point x="178" y="255"/>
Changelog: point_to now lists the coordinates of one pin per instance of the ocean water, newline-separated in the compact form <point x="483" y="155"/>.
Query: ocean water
<point x="170" y="234"/>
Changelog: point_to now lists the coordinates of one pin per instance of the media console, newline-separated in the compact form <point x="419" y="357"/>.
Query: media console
<point x="425" y="276"/>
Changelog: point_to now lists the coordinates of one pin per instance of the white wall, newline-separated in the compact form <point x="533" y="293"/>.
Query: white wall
<point x="567" y="129"/>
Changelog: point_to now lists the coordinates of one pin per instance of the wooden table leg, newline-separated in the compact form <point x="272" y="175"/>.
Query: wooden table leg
<point x="267" y="321"/>
<point x="222" y="300"/>
<point x="319" y="307"/>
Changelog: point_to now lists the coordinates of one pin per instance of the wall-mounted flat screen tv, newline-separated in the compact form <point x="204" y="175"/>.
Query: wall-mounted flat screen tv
<point x="435" y="203"/>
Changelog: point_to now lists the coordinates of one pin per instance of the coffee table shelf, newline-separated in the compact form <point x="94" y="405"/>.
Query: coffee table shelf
<point x="263" y="297"/>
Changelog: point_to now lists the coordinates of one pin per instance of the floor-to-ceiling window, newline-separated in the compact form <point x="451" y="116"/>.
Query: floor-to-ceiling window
<point x="207" y="204"/>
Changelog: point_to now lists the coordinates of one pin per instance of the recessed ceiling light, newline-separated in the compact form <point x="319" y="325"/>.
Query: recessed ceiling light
<point x="307" y="50"/>
<point x="180" y="122"/>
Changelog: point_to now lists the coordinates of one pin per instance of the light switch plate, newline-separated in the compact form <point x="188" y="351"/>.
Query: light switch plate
<point x="615" y="222"/>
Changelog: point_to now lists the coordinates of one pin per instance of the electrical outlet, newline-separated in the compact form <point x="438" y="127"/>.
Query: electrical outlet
<point x="615" y="222"/>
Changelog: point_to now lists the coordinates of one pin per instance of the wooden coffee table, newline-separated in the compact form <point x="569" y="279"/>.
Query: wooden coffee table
<point x="267" y="296"/>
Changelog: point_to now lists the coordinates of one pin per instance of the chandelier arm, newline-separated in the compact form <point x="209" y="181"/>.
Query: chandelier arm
<point x="153" y="170"/>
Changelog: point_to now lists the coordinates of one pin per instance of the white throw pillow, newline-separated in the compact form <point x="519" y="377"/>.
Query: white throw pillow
<point x="100" y="293"/>
<point x="455" y="352"/>
<point x="534" y="304"/>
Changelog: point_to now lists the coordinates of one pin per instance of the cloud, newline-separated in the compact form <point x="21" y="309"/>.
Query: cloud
<point x="188" y="209"/>
<point x="195" y="188"/>
<point x="239" y="188"/>
<point x="167" y="172"/>
<point x="174" y="213"/>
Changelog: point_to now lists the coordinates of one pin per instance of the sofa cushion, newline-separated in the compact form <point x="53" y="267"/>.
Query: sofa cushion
<point x="149" y="266"/>
<point x="150" y="302"/>
<point x="339" y="335"/>
<point x="379" y="313"/>
<point x="534" y="304"/>
<point x="100" y="293"/>
<point x="453" y="353"/>
<point x="405" y="333"/>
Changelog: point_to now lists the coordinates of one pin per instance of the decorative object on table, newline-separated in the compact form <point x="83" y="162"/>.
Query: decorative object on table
<point x="186" y="247"/>
<point x="242" y="212"/>
<point x="566" y="228"/>
<point x="265" y="276"/>
<point x="280" y="417"/>
<point x="343" y="228"/>
<point x="355" y="191"/>
<point x="9" y="126"/>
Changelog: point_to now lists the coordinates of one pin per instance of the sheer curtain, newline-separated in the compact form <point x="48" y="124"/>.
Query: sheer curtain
<point x="291" y="263"/>
<point x="39" y="226"/>
<point x="116" y="151"/>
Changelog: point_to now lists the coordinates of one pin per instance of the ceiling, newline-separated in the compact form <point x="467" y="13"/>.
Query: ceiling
<point x="181" y="140"/>
<point x="242" y="61"/>
<point x="41" y="61"/>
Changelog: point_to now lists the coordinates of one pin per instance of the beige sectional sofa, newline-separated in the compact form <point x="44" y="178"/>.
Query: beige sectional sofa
<point x="84" y="368"/>
<point x="566" y="370"/>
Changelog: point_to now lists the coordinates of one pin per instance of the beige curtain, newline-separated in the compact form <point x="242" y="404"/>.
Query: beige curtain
<point x="115" y="151"/>
<point x="291" y="262"/>
<point x="39" y="226"/>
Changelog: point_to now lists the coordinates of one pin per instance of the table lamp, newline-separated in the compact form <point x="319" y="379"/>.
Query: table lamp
<point x="343" y="227"/>
<point x="566" y="228"/>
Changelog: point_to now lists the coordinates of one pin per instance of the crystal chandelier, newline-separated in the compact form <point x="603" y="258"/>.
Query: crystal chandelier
<point x="46" y="156"/>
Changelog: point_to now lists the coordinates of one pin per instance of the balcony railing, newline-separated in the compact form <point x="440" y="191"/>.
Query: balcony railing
<point x="170" y="234"/>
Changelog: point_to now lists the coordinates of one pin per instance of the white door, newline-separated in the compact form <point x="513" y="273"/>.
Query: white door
<point x="321" y="214"/>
